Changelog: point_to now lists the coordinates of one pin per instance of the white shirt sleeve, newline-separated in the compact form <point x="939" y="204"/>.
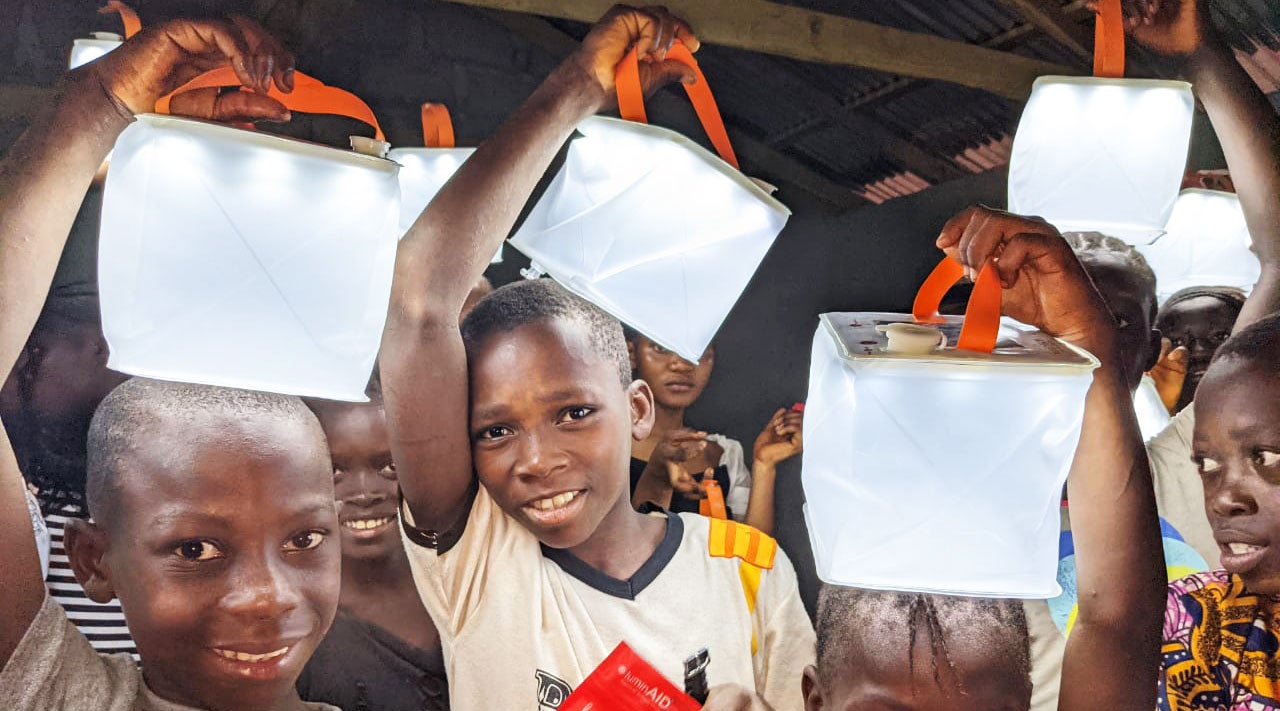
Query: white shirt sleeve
<point x="734" y="459"/>
<point x="787" y="643"/>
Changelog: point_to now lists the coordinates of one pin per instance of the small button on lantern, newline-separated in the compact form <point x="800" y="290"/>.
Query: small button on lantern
<point x="1102" y="153"/>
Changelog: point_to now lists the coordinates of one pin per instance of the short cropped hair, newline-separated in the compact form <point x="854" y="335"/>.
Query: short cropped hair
<point x="1259" y="343"/>
<point x="137" y="408"/>
<point x="1086" y="244"/>
<point x="541" y="300"/>
<point x="850" y="618"/>
<point x="1229" y="295"/>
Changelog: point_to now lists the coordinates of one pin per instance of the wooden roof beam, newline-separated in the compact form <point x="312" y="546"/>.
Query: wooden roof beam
<point x="1054" y="20"/>
<point x="798" y="33"/>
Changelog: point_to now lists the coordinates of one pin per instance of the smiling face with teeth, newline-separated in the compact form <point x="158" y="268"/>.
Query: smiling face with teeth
<point x="552" y="428"/>
<point x="216" y="534"/>
<point x="364" y="477"/>
<point x="1237" y="448"/>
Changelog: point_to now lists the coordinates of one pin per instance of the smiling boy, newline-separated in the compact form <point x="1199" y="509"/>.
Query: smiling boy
<point x="212" y="508"/>
<point x="520" y="527"/>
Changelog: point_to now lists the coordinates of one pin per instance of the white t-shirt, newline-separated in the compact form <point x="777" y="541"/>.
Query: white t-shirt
<point x="1188" y="547"/>
<point x="55" y="669"/>
<point x="522" y="625"/>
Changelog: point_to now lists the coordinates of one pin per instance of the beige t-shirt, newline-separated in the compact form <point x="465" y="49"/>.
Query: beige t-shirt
<point x="55" y="669"/>
<point x="522" y="625"/>
<point x="1180" y="502"/>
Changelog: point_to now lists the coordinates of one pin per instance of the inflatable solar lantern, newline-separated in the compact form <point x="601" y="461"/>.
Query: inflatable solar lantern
<point x="241" y="259"/>
<point x="648" y="225"/>
<point x="423" y="171"/>
<point x="1206" y="243"/>
<point x="1102" y="153"/>
<point x="936" y="447"/>
<point x="86" y="50"/>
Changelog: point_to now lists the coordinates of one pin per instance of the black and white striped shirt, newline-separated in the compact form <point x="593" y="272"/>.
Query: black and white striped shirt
<point x="102" y="624"/>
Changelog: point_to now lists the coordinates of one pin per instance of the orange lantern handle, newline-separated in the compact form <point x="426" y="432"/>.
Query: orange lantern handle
<point x="309" y="95"/>
<point x="631" y="98"/>
<point x="1108" y="40"/>
<point x="437" y="126"/>
<point x="981" y="317"/>
<point x="713" y="505"/>
<point x="130" y="18"/>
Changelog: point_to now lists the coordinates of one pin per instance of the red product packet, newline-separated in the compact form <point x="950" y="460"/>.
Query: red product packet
<point x="626" y="682"/>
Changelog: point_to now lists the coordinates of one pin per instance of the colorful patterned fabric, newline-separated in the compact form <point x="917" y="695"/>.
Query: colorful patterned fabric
<point x="1221" y="647"/>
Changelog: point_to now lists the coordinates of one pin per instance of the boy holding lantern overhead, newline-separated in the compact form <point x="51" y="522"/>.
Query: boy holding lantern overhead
<point x="519" y="523"/>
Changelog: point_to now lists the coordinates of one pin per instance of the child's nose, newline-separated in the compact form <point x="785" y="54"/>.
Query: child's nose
<point x="262" y="590"/>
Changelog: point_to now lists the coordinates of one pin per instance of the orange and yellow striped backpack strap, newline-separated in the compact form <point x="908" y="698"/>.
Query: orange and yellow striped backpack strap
<point x="755" y="552"/>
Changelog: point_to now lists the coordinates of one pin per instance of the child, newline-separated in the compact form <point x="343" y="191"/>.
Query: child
<point x="211" y="507"/>
<point x="1198" y="319"/>
<point x="662" y="463"/>
<point x="383" y="651"/>
<point x="522" y="536"/>
<point x="1221" y="633"/>
<point x="872" y="644"/>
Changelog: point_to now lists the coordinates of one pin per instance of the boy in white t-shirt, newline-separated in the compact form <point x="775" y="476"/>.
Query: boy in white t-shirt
<point x="520" y="529"/>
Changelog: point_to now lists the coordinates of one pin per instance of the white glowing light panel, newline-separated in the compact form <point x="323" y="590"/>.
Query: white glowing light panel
<point x="84" y="51"/>
<point x="1206" y="243"/>
<point x="1105" y="155"/>
<point x="241" y="259"/>
<point x="423" y="171"/>
<point x="654" y="229"/>
<point x="940" y="472"/>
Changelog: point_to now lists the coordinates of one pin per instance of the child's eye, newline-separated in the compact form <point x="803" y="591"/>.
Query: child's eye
<point x="198" y="551"/>
<point x="1263" y="458"/>
<point x="305" y="541"/>
<point x="1221" y="337"/>
<point x="1178" y="342"/>
<point x="660" y="350"/>
<point x="338" y="472"/>
<point x="388" y="471"/>
<point x="574" y="414"/>
<point x="1207" y="465"/>
<point x="494" y="432"/>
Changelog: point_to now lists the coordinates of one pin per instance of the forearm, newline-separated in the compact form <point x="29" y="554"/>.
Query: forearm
<point x="1249" y="131"/>
<point x="451" y="243"/>
<point x="1113" y="652"/>
<point x="43" y="180"/>
<point x="654" y="486"/>
<point x="760" y="505"/>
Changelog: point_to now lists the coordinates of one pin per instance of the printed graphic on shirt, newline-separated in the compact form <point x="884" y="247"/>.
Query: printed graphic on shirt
<point x="1180" y="560"/>
<point x="552" y="691"/>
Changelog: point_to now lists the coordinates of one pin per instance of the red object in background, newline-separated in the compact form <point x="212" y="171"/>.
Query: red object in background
<point x="798" y="407"/>
<point x="626" y="682"/>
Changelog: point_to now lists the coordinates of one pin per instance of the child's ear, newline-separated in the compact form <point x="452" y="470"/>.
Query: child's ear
<point x="812" y="689"/>
<point x="641" y="398"/>
<point x="86" y="545"/>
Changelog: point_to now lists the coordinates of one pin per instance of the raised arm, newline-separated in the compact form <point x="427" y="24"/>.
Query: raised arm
<point x="43" y="181"/>
<point x="1247" y="127"/>
<point x="1113" y="653"/>
<point x="424" y="367"/>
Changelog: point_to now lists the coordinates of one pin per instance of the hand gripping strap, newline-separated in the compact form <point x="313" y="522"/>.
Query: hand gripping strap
<point x="631" y="98"/>
<point x="981" y="317"/>
<point x="309" y="96"/>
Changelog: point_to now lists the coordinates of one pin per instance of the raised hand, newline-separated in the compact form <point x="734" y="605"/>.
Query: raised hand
<point x="1173" y="28"/>
<point x="679" y="445"/>
<point x="685" y="484"/>
<point x="162" y="58"/>
<point x="652" y="30"/>
<point x="1044" y="284"/>
<point x="781" y="438"/>
<point x="1170" y="372"/>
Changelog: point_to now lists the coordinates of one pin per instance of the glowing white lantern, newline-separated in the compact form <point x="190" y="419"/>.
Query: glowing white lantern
<point x="241" y="259"/>
<point x="1206" y="243"/>
<point x="84" y="51"/>
<point x="932" y="467"/>
<point x="1102" y="154"/>
<point x="652" y="227"/>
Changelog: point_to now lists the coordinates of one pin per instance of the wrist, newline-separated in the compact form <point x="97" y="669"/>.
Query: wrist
<point x="763" y="466"/>
<point x="84" y="100"/>
<point x="577" y="86"/>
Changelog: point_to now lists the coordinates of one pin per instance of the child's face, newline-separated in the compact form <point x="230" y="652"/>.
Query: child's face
<point x="1237" y="447"/>
<point x="886" y="682"/>
<point x="1200" y="325"/>
<point x="364" y="479"/>
<point x="676" y="383"/>
<point x="69" y="373"/>
<point x="220" y="550"/>
<point x="1132" y="306"/>
<point x="552" y="429"/>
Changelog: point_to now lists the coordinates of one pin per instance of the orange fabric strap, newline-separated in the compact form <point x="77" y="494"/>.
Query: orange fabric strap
<point x="437" y="126"/>
<point x="309" y="95"/>
<point x="1108" y="40"/>
<point x="631" y="98"/>
<point x="981" y="317"/>
<point x="712" y="506"/>
<point x="130" y="18"/>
